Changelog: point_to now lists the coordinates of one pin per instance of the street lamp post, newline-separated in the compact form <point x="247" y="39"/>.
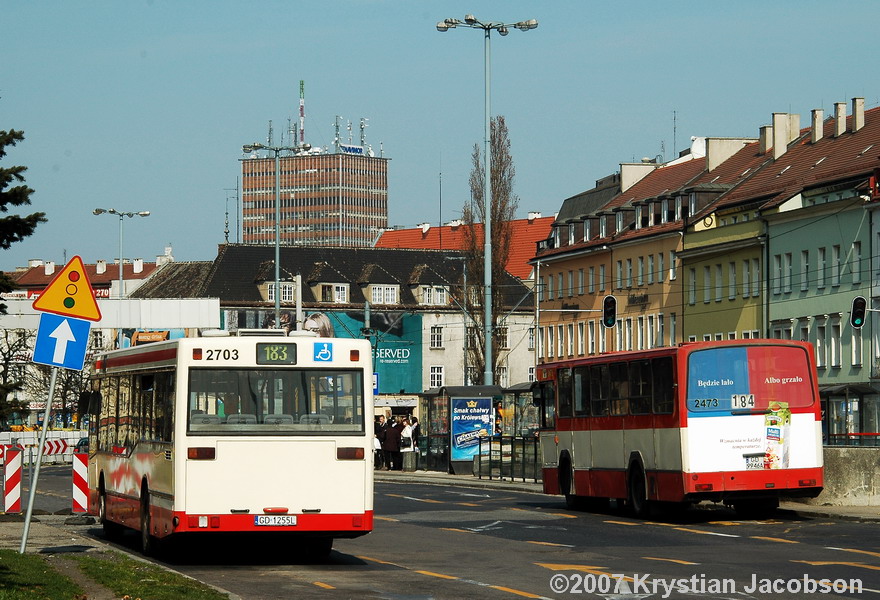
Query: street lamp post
<point x="247" y="149"/>
<point x="502" y="29"/>
<point x="121" y="215"/>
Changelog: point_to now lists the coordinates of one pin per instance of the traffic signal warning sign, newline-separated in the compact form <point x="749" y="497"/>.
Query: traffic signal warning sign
<point x="70" y="294"/>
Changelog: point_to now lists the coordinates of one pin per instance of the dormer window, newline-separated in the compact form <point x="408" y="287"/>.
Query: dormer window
<point x="286" y="292"/>
<point x="334" y="292"/>
<point x="434" y="295"/>
<point x="384" y="294"/>
<point x="570" y="234"/>
<point x="638" y="217"/>
<point x="664" y="210"/>
<point x="603" y="227"/>
<point x="618" y="222"/>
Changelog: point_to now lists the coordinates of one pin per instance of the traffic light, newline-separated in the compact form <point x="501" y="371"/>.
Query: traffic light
<point x="857" y="314"/>
<point x="609" y="311"/>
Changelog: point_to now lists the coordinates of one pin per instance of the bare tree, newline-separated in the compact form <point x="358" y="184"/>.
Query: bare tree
<point x="15" y="354"/>
<point x="503" y="209"/>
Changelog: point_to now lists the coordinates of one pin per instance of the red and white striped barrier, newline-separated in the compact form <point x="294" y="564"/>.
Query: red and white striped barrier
<point x="12" y="481"/>
<point x="55" y="447"/>
<point x="80" y="482"/>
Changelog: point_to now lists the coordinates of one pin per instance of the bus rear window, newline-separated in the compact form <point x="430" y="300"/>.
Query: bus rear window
<point x="748" y="378"/>
<point x="275" y="401"/>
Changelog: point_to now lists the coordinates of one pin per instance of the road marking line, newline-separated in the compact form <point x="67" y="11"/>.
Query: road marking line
<point x="467" y="504"/>
<point x="706" y="532"/>
<point x="513" y="591"/>
<point x="825" y="563"/>
<point x="326" y="586"/>
<point x="543" y="513"/>
<point x="381" y="562"/>
<point x="432" y="574"/>
<point x="416" y="499"/>
<point x="773" y="539"/>
<point x="583" y="568"/>
<point x="385" y="519"/>
<point x="672" y="560"/>
<point x="623" y="523"/>
<point x="550" y="544"/>
<point x="457" y="529"/>
<point x="868" y="552"/>
<point x="727" y="523"/>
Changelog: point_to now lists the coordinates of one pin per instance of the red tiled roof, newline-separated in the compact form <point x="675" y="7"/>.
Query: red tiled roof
<point x="806" y="164"/>
<point x="525" y="233"/>
<point x="36" y="277"/>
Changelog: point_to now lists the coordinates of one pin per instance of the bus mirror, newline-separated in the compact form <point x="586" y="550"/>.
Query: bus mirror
<point x="95" y="403"/>
<point x="537" y="395"/>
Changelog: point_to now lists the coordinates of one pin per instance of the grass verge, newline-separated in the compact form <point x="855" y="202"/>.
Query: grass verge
<point x="30" y="577"/>
<point x="128" y="577"/>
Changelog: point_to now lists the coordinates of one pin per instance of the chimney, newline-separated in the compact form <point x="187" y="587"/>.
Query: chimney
<point x="764" y="138"/>
<point x="839" y="118"/>
<point x="424" y="227"/>
<point x="794" y="127"/>
<point x="858" y="114"/>
<point x="455" y="223"/>
<point x="781" y="123"/>
<point x="138" y="265"/>
<point x="49" y="267"/>
<point x="533" y="216"/>
<point x="34" y="262"/>
<point x="816" y="129"/>
<point x="101" y="267"/>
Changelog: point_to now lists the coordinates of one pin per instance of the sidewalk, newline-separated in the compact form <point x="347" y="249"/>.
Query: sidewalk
<point x="855" y="513"/>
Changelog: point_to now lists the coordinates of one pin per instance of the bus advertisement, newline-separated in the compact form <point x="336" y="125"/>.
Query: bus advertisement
<point x="736" y="421"/>
<point x="257" y="433"/>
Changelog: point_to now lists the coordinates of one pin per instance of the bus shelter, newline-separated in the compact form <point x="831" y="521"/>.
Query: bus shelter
<point x="458" y="421"/>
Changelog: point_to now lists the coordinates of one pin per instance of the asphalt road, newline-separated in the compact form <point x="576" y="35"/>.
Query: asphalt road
<point x="455" y="542"/>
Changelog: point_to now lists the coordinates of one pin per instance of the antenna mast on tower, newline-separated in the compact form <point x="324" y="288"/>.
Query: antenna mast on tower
<point x="302" y="113"/>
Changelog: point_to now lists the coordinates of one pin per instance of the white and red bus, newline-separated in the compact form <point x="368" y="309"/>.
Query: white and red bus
<point x="736" y="421"/>
<point x="253" y="433"/>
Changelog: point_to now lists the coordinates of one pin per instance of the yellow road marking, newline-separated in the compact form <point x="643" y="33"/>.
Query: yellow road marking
<point x="384" y="518"/>
<point x="467" y="504"/>
<point x="416" y="499"/>
<point x="825" y="563"/>
<point x="381" y="562"/>
<point x="457" y="529"/>
<point x="672" y="560"/>
<point x="622" y="523"/>
<point x="432" y="574"/>
<point x="700" y="531"/>
<point x="727" y="523"/>
<point x="550" y="544"/>
<point x="513" y="591"/>
<point x="543" y="513"/>
<point x="868" y="552"/>
<point x="326" y="586"/>
<point x="773" y="539"/>
<point x="563" y="515"/>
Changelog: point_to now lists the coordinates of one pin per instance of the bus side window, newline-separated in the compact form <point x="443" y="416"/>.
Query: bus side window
<point x="619" y="388"/>
<point x="600" y="391"/>
<point x="581" y="392"/>
<point x="548" y="405"/>
<point x="664" y="390"/>
<point x="640" y="387"/>
<point x="565" y="392"/>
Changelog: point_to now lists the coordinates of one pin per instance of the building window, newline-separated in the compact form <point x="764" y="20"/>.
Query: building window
<point x="559" y="289"/>
<point x="835" y="266"/>
<point x="501" y="335"/>
<point x="857" y="262"/>
<point x="591" y="280"/>
<point x="581" y="341"/>
<point x="591" y="340"/>
<point x="629" y="273"/>
<point x="436" y="336"/>
<point x="777" y="274"/>
<point x="384" y="294"/>
<point x="619" y="278"/>
<point x="820" y="269"/>
<point x="660" y="268"/>
<point x="286" y="292"/>
<point x="756" y="278"/>
<point x="436" y="376"/>
<point x="835" y="343"/>
<point x="650" y="268"/>
<point x="719" y="284"/>
<point x="731" y="281"/>
<point x="434" y="295"/>
<point x="580" y="281"/>
<point x="707" y="284"/>
<point x="746" y="291"/>
<point x="786" y="272"/>
<point x="531" y="338"/>
<point x="821" y="357"/>
<point x="570" y="339"/>
<point x="549" y="287"/>
<point x="805" y="269"/>
<point x="540" y="342"/>
<point x="570" y="283"/>
<point x="560" y="341"/>
<point x="692" y="287"/>
<point x="551" y="341"/>
<point x="603" y="343"/>
<point x="671" y="265"/>
<point x="640" y="275"/>
<point x="857" y="347"/>
<point x="503" y="377"/>
<point x="531" y="374"/>
<point x="601" y="278"/>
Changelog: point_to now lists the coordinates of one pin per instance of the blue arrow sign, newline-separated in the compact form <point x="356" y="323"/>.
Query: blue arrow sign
<point x="62" y="341"/>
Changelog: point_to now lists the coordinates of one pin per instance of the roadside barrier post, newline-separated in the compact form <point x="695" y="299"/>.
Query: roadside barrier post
<point x="12" y="482"/>
<point x="80" y="482"/>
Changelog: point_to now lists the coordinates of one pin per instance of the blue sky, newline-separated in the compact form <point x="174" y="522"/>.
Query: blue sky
<point x="145" y="105"/>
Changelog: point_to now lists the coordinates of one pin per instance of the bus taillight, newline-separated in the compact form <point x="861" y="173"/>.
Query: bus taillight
<point x="201" y="453"/>
<point x="197" y="354"/>
<point x="349" y="454"/>
<point x="807" y="482"/>
<point x="703" y="487"/>
<point x="354" y="355"/>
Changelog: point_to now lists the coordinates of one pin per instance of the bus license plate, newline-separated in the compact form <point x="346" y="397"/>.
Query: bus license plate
<point x="754" y="461"/>
<point x="275" y="520"/>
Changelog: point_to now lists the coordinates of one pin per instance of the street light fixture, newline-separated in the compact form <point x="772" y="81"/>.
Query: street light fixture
<point x="121" y="215"/>
<point x="502" y="29"/>
<point x="247" y="149"/>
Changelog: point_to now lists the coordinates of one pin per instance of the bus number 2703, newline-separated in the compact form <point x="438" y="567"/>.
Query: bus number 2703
<point x="225" y="354"/>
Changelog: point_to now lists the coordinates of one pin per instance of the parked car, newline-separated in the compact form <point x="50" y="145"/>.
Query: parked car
<point x="82" y="445"/>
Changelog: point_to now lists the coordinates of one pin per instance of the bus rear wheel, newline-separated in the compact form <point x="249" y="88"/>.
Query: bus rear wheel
<point x="638" y="492"/>
<point x="149" y="543"/>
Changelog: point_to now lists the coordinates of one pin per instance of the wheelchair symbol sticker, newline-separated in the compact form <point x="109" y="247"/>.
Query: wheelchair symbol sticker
<point x="323" y="352"/>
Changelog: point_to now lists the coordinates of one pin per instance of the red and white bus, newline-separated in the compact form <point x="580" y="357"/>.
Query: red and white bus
<point x="736" y="421"/>
<point x="253" y="433"/>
